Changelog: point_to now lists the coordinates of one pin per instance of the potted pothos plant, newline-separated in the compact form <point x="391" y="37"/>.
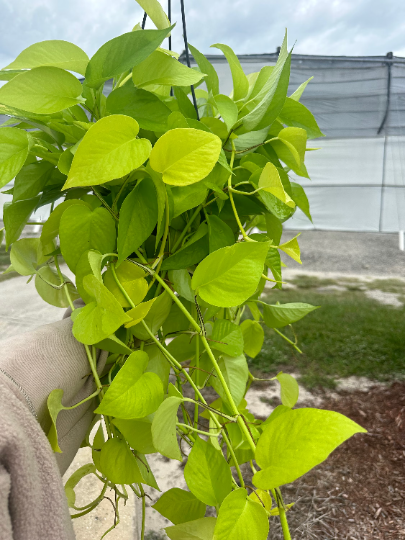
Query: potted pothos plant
<point x="154" y="208"/>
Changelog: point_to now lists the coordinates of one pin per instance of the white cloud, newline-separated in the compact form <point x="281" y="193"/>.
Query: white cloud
<point x="337" y="27"/>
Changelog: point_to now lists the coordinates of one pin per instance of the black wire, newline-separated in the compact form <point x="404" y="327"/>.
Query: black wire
<point x="183" y="16"/>
<point x="169" y="15"/>
<point x="144" y="20"/>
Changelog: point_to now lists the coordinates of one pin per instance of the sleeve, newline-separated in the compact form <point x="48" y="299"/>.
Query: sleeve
<point x="32" y="500"/>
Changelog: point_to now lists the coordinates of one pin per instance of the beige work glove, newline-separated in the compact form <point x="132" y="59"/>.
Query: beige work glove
<point x="47" y="358"/>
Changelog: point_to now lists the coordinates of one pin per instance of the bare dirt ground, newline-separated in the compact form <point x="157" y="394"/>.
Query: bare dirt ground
<point x="359" y="492"/>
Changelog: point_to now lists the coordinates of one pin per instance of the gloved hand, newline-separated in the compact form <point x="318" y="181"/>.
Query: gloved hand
<point x="47" y="358"/>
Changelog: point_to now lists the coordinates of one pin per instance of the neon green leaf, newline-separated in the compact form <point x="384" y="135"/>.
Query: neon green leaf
<point x="300" y="198"/>
<point x="43" y="90"/>
<point x="14" y="146"/>
<point x="227" y="337"/>
<point x="82" y="229"/>
<point x="229" y="276"/>
<point x="110" y="149"/>
<point x="31" y="180"/>
<point x="15" y="217"/>
<point x="155" y="12"/>
<point x="240" y="82"/>
<point x="240" y="518"/>
<point x="298" y="93"/>
<point x="160" y="68"/>
<point x="180" y="506"/>
<point x="44" y="279"/>
<point x="271" y="182"/>
<point x="139" y="312"/>
<point x="292" y="249"/>
<point x="123" y="53"/>
<point x="164" y="434"/>
<point x="211" y="79"/>
<point x="27" y="254"/>
<point x="253" y="337"/>
<point x="132" y="280"/>
<point x="138" y="433"/>
<point x="70" y="485"/>
<point x="54" y="53"/>
<point x="235" y="371"/>
<point x="228" y="110"/>
<point x="219" y="234"/>
<point x="54" y="403"/>
<point x="185" y="156"/>
<point x="50" y="228"/>
<point x="289" y="389"/>
<point x="200" y="529"/>
<point x="146" y="108"/>
<point x="295" y="114"/>
<point x="207" y="473"/>
<point x="279" y="315"/>
<point x="133" y="393"/>
<point x="181" y="281"/>
<point x="101" y="318"/>
<point x="156" y="316"/>
<point x="138" y="218"/>
<point x="297" y="441"/>
<point x="118" y="463"/>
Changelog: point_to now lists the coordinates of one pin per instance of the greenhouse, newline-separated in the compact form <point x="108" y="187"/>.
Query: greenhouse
<point x="358" y="179"/>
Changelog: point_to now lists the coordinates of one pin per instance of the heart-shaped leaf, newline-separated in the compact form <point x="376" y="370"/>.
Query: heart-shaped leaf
<point x="42" y="90"/>
<point x="110" y="149"/>
<point x="101" y="318"/>
<point x="133" y="393"/>
<point x="185" y="155"/>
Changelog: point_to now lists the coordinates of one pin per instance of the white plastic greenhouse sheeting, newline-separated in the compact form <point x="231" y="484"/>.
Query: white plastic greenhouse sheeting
<point x="345" y="191"/>
<point x="358" y="176"/>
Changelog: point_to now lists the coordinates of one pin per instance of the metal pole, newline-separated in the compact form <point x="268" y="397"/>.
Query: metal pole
<point x="401" y="241"/>
<point x="183" y="16"/>
<point x="382" y="185"/>
<point x="387" y="110"/>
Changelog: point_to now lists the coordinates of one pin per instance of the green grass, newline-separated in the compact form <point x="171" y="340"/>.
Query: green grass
<point x="349" y="335"/>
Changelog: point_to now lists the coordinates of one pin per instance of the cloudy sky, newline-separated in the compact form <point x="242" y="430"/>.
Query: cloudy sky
<point x="332" y="27"/>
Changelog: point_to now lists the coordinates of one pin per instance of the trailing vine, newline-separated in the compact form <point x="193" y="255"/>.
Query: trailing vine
<point x="170" y="219"/>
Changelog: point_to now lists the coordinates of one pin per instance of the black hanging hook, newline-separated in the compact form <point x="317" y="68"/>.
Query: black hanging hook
<point x="183" y="16"/>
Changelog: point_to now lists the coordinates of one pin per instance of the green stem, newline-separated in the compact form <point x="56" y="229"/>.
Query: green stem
<point x="184" y="232"/>
<point x="94" y="394"/>
<point x="197" y="365"/>
<point x="115" y="202"/>
<point x="100" y="198"/>
<point x="288" y="340"/>
<point x="179" y="367"/>
<point x="196" y="326"/>
<point x="179" y="424"/>
<point x="242" y="230"/>
<point x="143" y="511"/>
<point x="90" y="359"/>
<point x="282" y="514"/>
